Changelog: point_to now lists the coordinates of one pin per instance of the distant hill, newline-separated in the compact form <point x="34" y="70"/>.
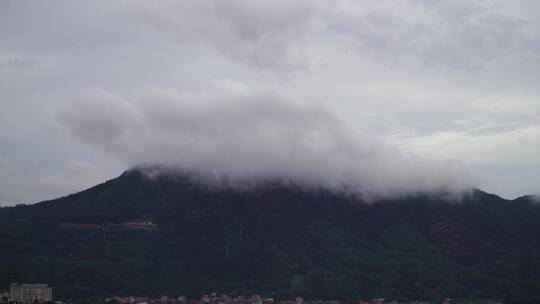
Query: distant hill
<point x="172" y="235"/>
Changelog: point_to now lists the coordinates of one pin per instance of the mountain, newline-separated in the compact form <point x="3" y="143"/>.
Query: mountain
<point x="169" y="234"/>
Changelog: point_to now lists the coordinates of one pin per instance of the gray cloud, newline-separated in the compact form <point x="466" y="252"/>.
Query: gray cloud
<point x="20" y="184"/>
<point x="437" y="79"/>
<point x="457" y="35"/>
<point x="253" y="136"/>
<point x="259" y="33"/>
<point x="18" y="63"/>
<point x="100" y="117"/>
<point x="449" y="34"/>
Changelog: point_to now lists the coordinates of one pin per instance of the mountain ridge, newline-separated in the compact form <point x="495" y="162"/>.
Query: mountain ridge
<point x="280" y="240"/>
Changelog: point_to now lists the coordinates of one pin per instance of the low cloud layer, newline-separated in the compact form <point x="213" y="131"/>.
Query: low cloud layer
<point x="438" y="79"/>
<point x="252" y="136"/>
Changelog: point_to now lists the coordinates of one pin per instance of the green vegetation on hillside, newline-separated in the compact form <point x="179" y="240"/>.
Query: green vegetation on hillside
<point x="277" y="240"/>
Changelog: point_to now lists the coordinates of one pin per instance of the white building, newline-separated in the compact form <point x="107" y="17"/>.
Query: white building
<point x="30" y="293"/>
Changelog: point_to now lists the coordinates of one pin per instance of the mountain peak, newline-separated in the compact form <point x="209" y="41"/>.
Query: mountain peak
<point x="277" y="238"/>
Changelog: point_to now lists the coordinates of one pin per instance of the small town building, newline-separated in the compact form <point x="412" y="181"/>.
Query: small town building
<point x="30" y="293"/>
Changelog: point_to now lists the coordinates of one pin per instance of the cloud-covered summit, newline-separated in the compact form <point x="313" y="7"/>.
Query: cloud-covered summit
<point x="438" y="79"/>
<point x="250" y="136"/>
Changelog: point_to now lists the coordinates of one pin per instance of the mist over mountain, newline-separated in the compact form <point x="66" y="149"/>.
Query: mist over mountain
<point x="245" y="136"/>
<point x="252" y="88"/>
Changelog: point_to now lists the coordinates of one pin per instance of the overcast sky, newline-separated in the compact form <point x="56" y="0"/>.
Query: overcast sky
<point x="390" y="94"/>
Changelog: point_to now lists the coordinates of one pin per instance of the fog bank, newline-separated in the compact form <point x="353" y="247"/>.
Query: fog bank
<point x="246" y="137"/>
